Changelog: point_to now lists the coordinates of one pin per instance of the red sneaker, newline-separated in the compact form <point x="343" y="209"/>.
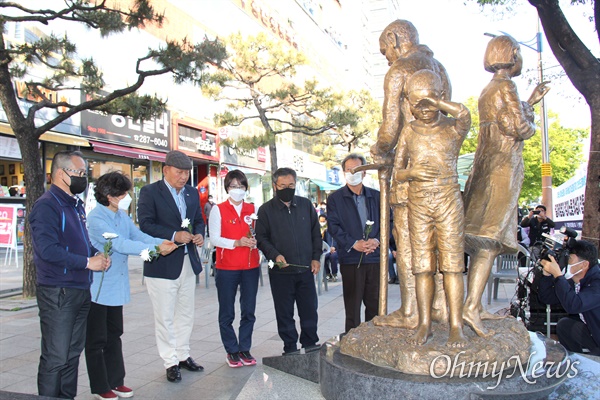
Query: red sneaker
<point x="123" y="391"/>
<point x="246" y="358"/>
<point x="107" y="395"/>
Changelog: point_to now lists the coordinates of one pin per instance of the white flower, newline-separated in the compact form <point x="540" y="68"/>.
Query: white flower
<point x="145" y="254"/>
<point x="271" y="264"/>
<point x="185" y="223"/>
<point x="108" y="235"/>
<point x="369" y="222"/>
<point x="253" y="216"/>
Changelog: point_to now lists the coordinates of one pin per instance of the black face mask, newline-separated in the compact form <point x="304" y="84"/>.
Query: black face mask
<point x="286" y="195"/>
<point x="78" y="184"/>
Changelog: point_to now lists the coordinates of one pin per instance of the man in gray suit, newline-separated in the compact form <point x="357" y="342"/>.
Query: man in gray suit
<point x="162" y="208"/>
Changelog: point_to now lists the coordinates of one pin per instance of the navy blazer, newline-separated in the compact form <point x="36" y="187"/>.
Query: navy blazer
<point x="159" y="216"/>
<point x="343" y="223"/>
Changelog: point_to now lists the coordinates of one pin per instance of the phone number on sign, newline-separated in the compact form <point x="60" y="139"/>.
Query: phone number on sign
<point x="148" y="139"/>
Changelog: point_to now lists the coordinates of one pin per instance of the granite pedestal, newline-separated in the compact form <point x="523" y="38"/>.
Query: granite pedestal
<point x="345" y="377"/>
<point x="302" y="365"/>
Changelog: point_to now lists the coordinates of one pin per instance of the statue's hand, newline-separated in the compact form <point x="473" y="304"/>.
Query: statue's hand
<point x="538" y="93"/>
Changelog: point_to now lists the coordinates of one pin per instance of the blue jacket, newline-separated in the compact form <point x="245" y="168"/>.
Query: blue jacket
<point x="131" y="241"/>
<point x="343" y="222"/>
<point x="586" y="302"/>
<point x="61" y="245"/>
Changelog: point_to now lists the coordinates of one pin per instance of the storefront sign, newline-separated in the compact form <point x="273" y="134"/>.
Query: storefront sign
<point x="302" y="163"/>
<point x="333" y="176"/>
<point x="261" y="154"/>
<point x="152" y="134"/>
<point x="198" y="141"/>
<point x="9" y="148"/>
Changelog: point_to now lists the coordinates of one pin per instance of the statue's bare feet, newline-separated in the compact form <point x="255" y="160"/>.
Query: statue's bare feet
<point x="439" y="315"/>
<point x="421" y="336"/>
<point x="396" y="320"/>
<point x="472" y="319"/>
<point x="485" y="315"/>
<point x="456" y="338"/>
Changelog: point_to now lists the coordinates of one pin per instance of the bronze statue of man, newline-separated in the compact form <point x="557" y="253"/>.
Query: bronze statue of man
<point x="492" y="190"/>
<point x="399" y="43"/>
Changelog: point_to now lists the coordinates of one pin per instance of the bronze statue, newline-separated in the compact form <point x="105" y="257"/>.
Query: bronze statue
<point x="493" y="188"/>
<point x="399" y="43"/>
<point x="427" y="155"/>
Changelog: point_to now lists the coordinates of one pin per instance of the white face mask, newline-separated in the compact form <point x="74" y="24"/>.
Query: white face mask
<point x="125" y="202"/>
<point x="569" y="274"/>
<point x="354" y="179"/>
<point x="237" y="194"/>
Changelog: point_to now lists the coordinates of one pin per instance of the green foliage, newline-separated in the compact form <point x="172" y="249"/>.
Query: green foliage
<point x="259" y="82"/>
<point x="566" y="149"/>
<point x="57" y="55"/>
<point x="470" y="143"/>
<point x="566" y="152"/>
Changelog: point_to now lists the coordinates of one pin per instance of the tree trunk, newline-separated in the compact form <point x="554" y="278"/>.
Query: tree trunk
<point x="591" y="212"/>
<point x="28" y="143"/>
<point x="273" y="151"/>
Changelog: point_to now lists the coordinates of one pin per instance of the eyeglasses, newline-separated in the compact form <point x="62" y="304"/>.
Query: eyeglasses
<point x="78" y="172"/>
<point x="237" y="187"/>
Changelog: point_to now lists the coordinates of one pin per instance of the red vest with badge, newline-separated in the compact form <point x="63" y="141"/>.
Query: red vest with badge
<point x="234" y="226"/>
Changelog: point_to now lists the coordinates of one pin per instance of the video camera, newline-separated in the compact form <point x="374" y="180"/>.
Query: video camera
<point x="559" y="250"/>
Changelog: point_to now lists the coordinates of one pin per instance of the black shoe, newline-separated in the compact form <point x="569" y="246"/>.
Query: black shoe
<point x="291" y="352"/>
<point x="191" y="365"/>
<point x="173" y="374"/>
<point x="396" y="281"/>
<point x="391" y="281"/>
<point x="311" y="348"/>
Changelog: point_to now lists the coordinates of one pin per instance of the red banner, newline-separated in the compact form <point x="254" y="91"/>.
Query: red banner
<point x="7" y="226"/>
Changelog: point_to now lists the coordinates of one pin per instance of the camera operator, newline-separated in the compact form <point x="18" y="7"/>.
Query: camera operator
<point x="578" y="291"/>
<point x="538" y="224"/>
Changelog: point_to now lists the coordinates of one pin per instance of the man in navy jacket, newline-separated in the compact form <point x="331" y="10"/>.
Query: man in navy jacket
<point x="162" y="208"/>
<point x="348" y="211"/>
<point x="578" y="291"/>
<point x="64" y="260"/>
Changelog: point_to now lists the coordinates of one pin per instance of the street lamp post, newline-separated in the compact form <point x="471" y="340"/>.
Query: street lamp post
<point x="545" y="166"/>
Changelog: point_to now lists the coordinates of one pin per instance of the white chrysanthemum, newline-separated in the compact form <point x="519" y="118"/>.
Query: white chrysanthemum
<point x="369" y="222"/>
<point x="108" y="235"/>
<point x="271" y="264"/>
<point x="185" y="223"/>
<point x="145" y="254"/>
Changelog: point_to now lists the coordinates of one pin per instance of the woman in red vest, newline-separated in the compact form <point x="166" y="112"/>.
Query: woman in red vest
<point x="231" y="226"/>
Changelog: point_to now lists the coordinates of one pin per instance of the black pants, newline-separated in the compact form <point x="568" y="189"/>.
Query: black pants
<point x="103" y="349"/>
<point x="361" y="285"/>
<point x="575" y="336"/>
<point x="288" y="289"/>
<point x="63" y="316"/>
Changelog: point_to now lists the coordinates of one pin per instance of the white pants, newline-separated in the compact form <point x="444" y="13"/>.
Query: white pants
<point x="173" y="304"/>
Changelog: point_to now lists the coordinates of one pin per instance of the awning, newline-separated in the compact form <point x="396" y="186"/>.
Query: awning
<point x="54" y="137"/>
<point x="323" y="185"/>
<point x="129" y="152"/>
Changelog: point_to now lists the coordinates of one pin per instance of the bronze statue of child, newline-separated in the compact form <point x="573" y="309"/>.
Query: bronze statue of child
<point x="426" y="157"/>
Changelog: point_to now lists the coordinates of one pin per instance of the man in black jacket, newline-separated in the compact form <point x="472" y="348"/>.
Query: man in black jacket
<point x="538" y="224"/>
<point x="288" y="234"/>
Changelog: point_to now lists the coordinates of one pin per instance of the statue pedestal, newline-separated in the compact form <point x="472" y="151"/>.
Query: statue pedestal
<point x="346" y="377"/>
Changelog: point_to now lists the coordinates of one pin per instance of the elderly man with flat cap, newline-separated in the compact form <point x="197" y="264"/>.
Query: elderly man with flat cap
<point x="162" y="208"/>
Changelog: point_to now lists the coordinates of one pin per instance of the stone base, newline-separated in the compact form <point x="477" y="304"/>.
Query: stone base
<point x="302" y="365"/>
<point x="345" y="377"/>
<point x="390" y="347"/>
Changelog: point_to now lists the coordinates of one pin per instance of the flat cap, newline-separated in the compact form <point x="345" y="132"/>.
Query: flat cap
<point x="178" y="159"/>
